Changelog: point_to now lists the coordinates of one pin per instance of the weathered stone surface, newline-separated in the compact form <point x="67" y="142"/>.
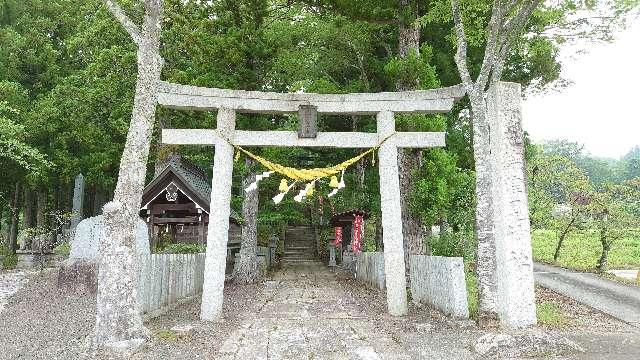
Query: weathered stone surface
<point x="332" y="254"/>
<point x="197" y="98"/>
<point x="89" y="233"/>
<point x="370" y="269"/>
<point x="529" y="344"/>
<point x="514" y="265"/>
<point x="35" y="260"/>
<point x="290" y="138"/>
<point x="78" y="200"/>
<point x="439" y="281"/>
<point x="218" y="231"/>
<point x="310" y="313"/>
<point x="78" y="275"/>
<point x="394" y="268"/>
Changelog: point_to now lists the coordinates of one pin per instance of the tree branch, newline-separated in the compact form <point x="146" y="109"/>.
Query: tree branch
<point x="493" y="36"/>
<point x="512" y="30"/>
<point x="461" y="52"/>
<point x="124" y="20"/>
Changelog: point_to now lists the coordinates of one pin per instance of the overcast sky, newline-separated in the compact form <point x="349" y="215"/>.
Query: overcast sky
<point x="601" y="108"/>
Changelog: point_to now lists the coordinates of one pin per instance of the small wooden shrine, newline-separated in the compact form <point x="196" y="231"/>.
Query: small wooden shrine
<point x="345" y="220"/>
<point x="176" y="203"/>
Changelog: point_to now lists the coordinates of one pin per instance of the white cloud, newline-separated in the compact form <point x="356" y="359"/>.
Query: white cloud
<point x="601" y="108"/>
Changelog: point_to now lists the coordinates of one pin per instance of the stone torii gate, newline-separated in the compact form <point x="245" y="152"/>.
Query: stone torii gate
<point x="229" y="102"/>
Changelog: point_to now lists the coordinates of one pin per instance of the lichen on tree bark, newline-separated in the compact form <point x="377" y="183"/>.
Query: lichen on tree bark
<point x="413" y="231"/>
<point x="119" y="328"/>
<point x="507" y="21"/>
<point x="246" y="270"/>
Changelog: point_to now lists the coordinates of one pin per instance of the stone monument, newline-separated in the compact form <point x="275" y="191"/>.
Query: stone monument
<point x="80" y="270"/>
<point x="78" y="203"/>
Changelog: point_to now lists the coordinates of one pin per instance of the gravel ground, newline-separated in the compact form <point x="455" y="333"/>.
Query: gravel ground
<point x="205" y="339"/>
<point x="40" y="322"/>
<point x="10" y="282"/>
<point x="580" y="316"/>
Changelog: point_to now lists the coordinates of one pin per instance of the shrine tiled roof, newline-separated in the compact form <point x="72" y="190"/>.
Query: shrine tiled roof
<point x="193" y="177"/>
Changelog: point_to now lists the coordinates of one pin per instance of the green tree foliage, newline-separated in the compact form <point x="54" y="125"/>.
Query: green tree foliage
<point x="614" y="213"/>
<point x="444" y="192"/>
<point x="14" y="152"/>
<point x="68" y="68"/>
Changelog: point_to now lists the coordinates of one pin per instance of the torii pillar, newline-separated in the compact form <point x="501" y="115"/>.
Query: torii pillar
<point x="383" y="105"/>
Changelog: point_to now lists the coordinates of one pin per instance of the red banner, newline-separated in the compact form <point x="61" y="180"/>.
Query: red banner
<point x="358" y="231"/>
<point x="338" y="240"/>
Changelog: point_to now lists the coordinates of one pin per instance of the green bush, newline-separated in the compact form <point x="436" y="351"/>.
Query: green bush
<point x="9" y="261"/>
<point x="184" y="249"/>
<point x="459" y="244"/>
<point x="63" y="249"/>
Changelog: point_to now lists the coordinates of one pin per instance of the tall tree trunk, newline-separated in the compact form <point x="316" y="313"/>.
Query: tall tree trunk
<point x="41" y="211"/>
<point x="606" y="246"/>
<point x="246" y="270"/>
<point x="99" y="199"/>
<point x="118" y="319"/>
<point x="12" y="239"/>
<point x="28" y="218"/>
<point x="379" y="242"/>
<point x="412" y="228"/>
<point x="486" y="248"/>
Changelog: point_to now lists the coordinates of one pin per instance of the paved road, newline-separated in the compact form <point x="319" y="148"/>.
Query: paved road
<point x="613" y="298"/>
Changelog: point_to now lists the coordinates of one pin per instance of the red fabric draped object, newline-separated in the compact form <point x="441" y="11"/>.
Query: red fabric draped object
<point x="338" y="240"/>
<point x="358" y="231"/>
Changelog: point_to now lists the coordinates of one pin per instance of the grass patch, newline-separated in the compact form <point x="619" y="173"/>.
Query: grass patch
<point x="549" y="314"/>
<point x="167" y="335"/>
<point x="63" y="249"/>
<point x="581" y="250"/>
<point x="472" y="293"/>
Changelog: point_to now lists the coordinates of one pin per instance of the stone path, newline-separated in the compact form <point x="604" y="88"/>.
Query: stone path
<point x="613" y="298"/>
<point x="10" y="283"/>
<point x="307" y="313"/>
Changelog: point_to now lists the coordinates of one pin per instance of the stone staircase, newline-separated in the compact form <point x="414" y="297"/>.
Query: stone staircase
<point x="299" y="245"/>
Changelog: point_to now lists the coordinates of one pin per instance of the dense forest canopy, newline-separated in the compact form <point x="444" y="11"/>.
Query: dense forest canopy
<point x="67" y="76"/>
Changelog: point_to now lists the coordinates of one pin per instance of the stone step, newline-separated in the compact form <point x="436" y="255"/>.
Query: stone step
<point x="299" y="247"/>
<point x="296" y="260"/>
<point x="299" y="244"/>
<point x="298" y="255"/>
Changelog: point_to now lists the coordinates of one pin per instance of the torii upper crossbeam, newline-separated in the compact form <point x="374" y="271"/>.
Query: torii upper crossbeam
<point x="228" y="102"/>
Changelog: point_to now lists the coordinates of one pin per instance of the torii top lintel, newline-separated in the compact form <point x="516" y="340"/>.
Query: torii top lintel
<point x="187" y="97"/>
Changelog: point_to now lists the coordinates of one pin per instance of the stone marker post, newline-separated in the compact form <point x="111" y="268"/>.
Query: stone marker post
<point x="394" y="269"/>
<point x="78" y="203"/>
<point x="218" y="231"/>
<point x="514" y="266"/>
<point x="332" y="254"/>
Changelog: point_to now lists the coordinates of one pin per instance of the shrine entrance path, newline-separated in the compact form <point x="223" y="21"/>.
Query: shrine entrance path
<point x="308" y="312"/>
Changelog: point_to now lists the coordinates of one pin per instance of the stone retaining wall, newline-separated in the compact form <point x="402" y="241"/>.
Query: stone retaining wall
<point x="167" y="279"/>
<point x="439" y="281"/>
<point x="370" y="269"/>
